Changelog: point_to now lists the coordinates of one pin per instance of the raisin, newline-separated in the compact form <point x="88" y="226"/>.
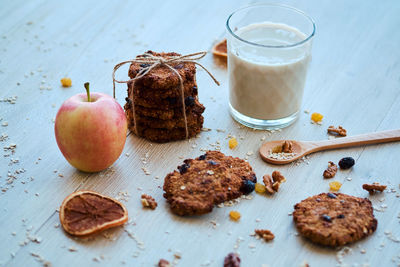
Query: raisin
<point x="232" y="260"/>
<point x="202" y="157"/>
<point x="183" y="168"/>
<point x="194" y="89"/>
<point x="316" y="117"/>
<point x="232" y="143"/>
<point x="189" y="101"/>
<point x="179" y="66"/>
<point x="247" y="187"/>
<point x="346" y="163"/>
<point x="327" y="218"/>
<point x="234" y="215"/>
<point x="212" y="163"/>
<point x="332" y="195"/>
<point x="144" y="65"/>
<point x="260" y="188"/>
<point x="340" y="216"/>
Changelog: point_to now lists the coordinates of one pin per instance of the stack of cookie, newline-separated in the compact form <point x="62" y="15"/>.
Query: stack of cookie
<point x="158" y="102"/>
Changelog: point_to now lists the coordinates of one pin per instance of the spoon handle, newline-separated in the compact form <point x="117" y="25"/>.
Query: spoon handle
<point x="357" y="140"/>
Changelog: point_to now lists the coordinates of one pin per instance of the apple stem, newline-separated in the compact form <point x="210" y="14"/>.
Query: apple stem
<point x="87" y="91"/>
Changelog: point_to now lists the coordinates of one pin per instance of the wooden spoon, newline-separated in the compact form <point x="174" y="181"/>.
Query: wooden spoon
<point x="302" y="148"/>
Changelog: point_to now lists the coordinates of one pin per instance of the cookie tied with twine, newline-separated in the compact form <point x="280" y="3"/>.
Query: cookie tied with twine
<point x="151" y="61"/>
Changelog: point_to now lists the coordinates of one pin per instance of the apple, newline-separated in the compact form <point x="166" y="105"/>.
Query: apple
<point x="91" y="130"/>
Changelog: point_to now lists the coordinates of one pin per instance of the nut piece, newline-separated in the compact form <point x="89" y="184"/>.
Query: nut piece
<point x="148" y="202"/>
<point x="372" y="188"/>
<point x="232" y="260"/>
<point x="273" y="183"/>
<point x="339" y="131"/>
<point x="287" y="147"/>
<point x="164" y="263"/>
<point x="267" y="179"/>
<point x="331" y="171"/>
<point x="267" y="235"/>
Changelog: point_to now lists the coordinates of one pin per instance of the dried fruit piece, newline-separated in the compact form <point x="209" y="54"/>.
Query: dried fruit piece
<point x="260" y="188"/>
<point x="326" y="218"/>
<point x="267" y="235"/>
<point x="346" y="163"/>
<point x="247" y="187"/>
<point x="235" y="215"/>
<point x="372" y="188"/>
<point x="220" y="49"/>
<point x="86" y="212"/>
<point x="287" y="147"/>
<point x="330" y="172"/>
<point x="164" y="263"/>
<point x="340" y="131"/>
<point x="232" y="260"/>
<point x="232" y="143"/>
<point x="335" y="186"/>
<point x="316" y="117"/>
<point x="148" y="202"/>
<point x="66" y="82"/>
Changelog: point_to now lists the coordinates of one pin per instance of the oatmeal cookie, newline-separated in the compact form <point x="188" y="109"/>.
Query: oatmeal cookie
<point x="161" y="76"/>
<point x="161" y="114"/>
<point x="166" y="135"/>
<point x="208" y="180"/>
<point x="334" y="219"/>
<point x="189" y="89"/>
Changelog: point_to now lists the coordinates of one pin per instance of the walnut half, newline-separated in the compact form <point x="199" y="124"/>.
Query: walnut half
<point x="330" y="172"/>
<point x="267" y="235"/>
<point x="372" y="188"/>
<point x="340" y="131"/>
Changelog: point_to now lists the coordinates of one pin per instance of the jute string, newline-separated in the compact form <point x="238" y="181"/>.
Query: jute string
<point x="151" y="62"/>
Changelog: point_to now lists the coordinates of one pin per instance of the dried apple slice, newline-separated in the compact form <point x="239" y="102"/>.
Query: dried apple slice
<point x="86" y="212"/>
<point x="220" y="49"/>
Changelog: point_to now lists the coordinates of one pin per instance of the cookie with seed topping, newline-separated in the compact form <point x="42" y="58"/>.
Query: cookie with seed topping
<point x="200" y="184"/>
<point x="334" y="219"/>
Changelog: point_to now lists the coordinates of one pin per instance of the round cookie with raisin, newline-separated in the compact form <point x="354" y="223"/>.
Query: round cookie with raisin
<point x="334" y="219"/>
<point x="200" y="184"/>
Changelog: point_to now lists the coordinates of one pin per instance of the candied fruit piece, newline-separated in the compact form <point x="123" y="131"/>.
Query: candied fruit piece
<point x="66" y="82"/>
<point x="233" y="143"/>
<point x="335" y="186"/>
<point x="317" y="117"/>
<point x="235" y="215"/>
<point x="260" y="188"/>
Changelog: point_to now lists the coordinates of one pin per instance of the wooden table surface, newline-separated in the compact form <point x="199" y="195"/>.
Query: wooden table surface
<point x="353" y="80"/>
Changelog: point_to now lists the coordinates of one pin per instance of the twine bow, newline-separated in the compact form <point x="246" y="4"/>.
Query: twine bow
<point x="151" y="62"/>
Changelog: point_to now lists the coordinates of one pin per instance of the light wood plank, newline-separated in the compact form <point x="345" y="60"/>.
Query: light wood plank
<point x="353" y="80"/>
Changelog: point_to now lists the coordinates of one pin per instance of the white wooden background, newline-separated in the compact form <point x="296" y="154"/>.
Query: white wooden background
<point x="353" y="81"/>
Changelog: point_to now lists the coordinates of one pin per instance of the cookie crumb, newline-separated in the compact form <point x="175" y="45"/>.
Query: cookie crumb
<point x="232" y="260"/>
<point x="330" y="172"/>
<point x="267" y="235"/>
<point x="372" y="188"/>
<point x="148" y="202"/>
<point x="339" y="131"/>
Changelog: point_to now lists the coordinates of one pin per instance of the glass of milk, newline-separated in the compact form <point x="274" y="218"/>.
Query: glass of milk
<point x="269" y="50"/>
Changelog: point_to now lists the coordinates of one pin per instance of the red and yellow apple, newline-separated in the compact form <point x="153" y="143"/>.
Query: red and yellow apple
<point x="91" y="130"/>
